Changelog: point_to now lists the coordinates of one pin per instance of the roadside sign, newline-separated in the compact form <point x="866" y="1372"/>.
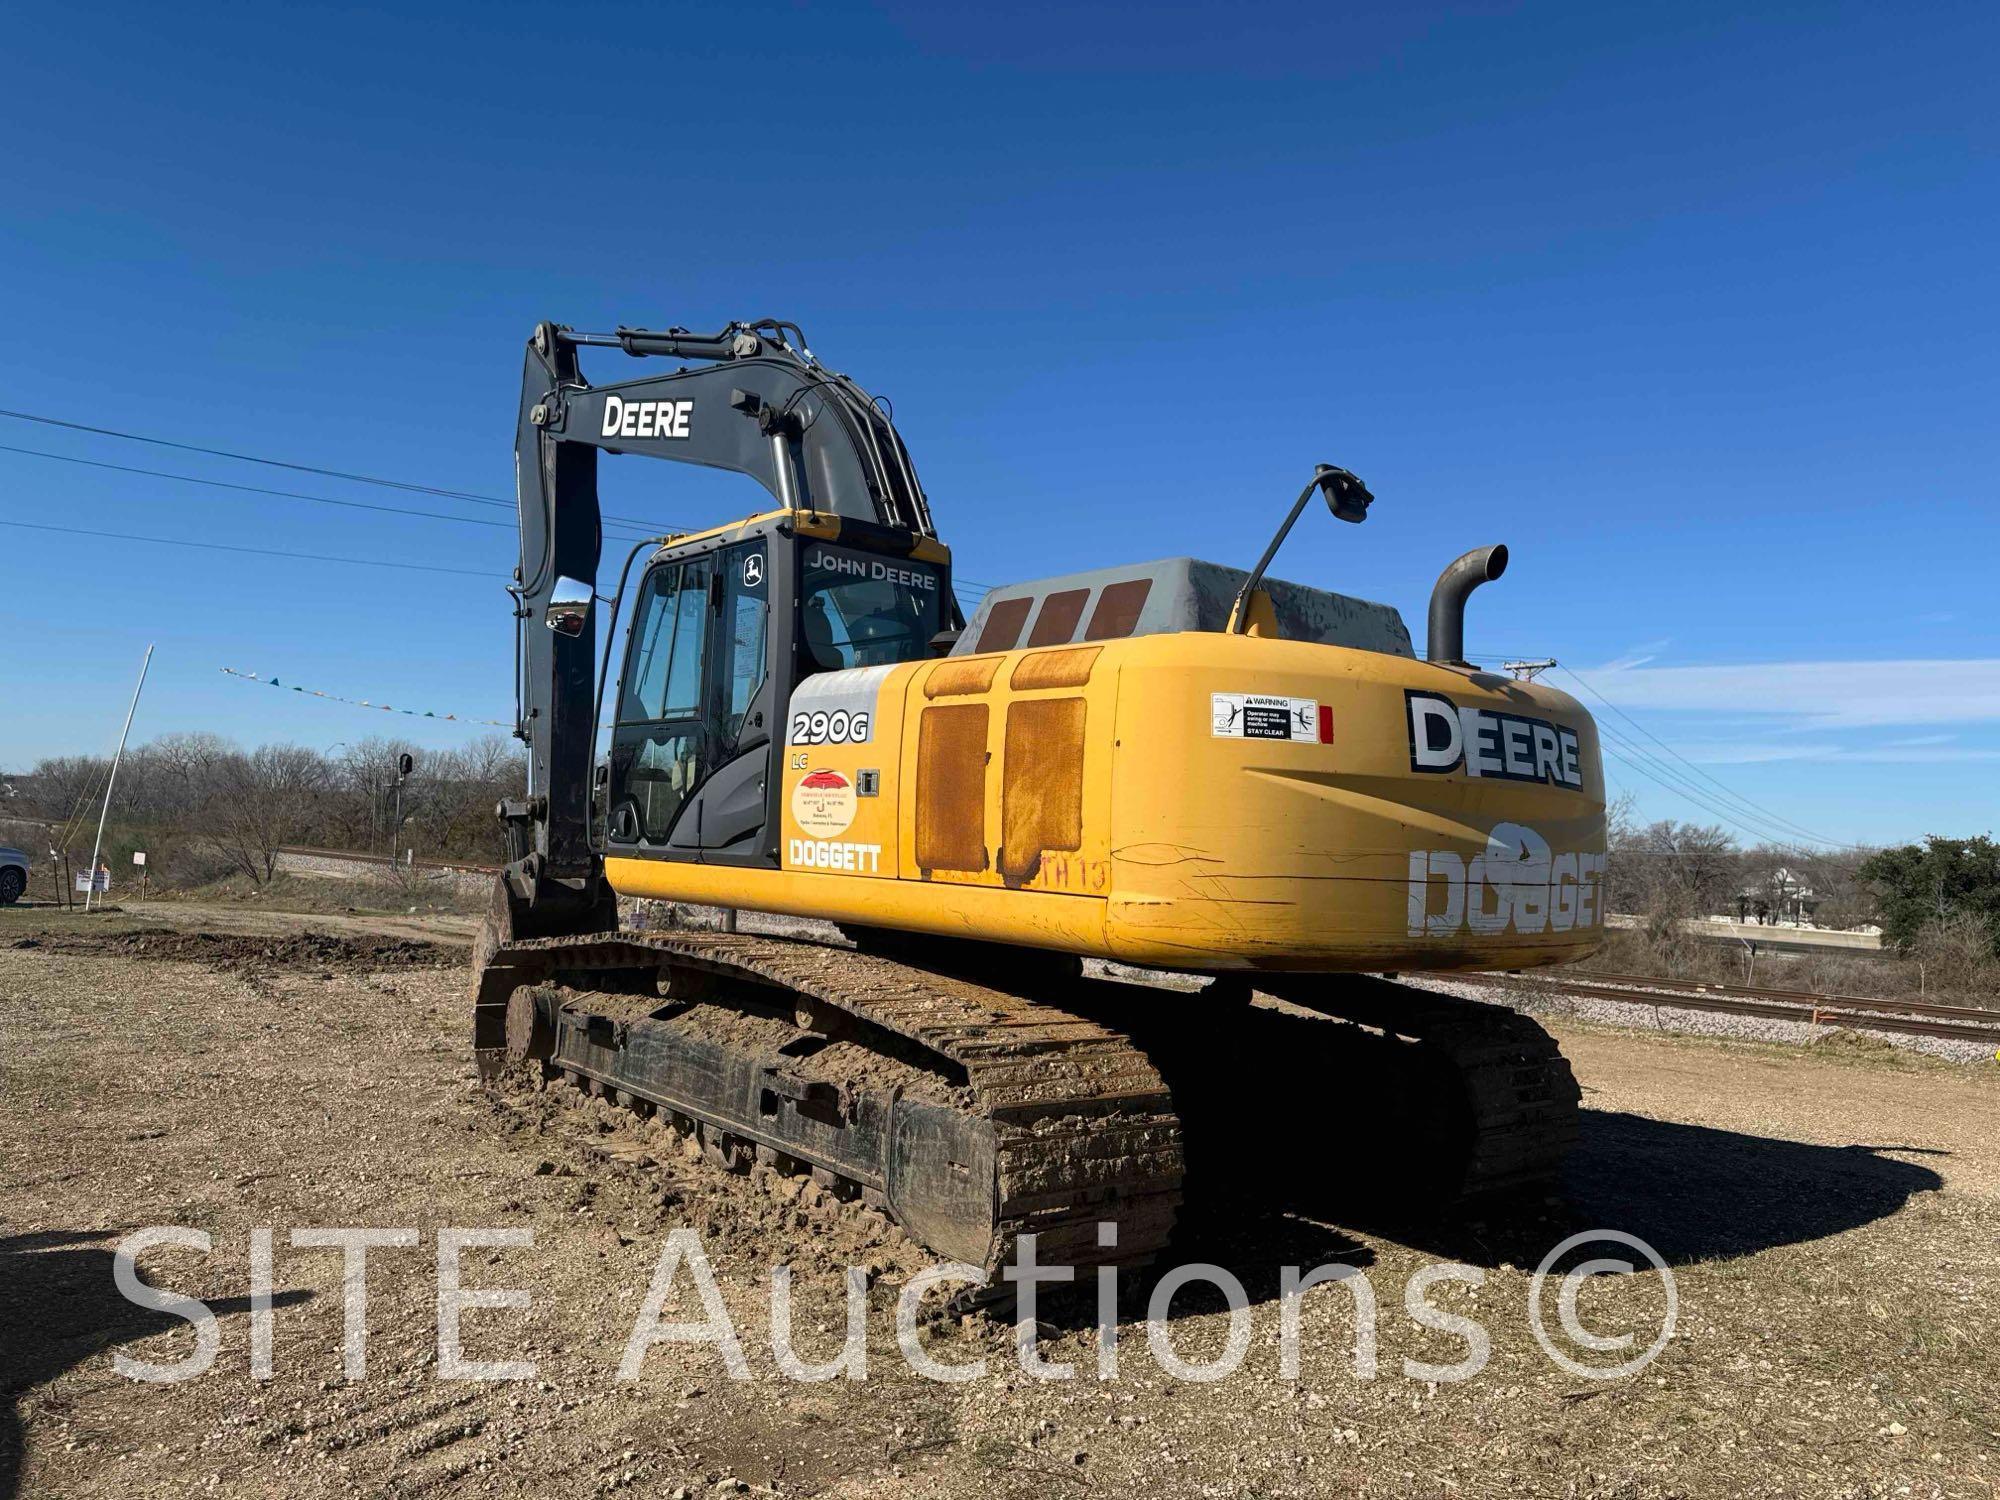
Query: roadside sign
<point x="87" y="883"/>
<point x="138" y="856"/>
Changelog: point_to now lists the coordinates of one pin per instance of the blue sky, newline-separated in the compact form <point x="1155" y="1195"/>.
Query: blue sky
<point x="1695" y="308"/>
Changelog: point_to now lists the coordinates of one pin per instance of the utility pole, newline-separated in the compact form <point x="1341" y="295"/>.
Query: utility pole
<point x="112" y="780"/>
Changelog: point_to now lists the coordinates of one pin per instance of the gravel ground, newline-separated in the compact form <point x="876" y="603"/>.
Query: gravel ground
<point x="1662" y="1014"/>
<point x="1831" y="1222"/>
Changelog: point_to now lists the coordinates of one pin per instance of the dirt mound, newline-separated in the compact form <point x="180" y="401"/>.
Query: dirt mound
<point x="306" y="950"/>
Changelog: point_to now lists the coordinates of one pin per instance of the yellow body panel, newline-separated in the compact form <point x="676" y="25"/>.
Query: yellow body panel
<point x="1101" y="799"/>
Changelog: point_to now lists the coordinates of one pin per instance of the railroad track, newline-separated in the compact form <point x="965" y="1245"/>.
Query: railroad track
<point x="1911" y="1018"/>
<point x="1813" y="998"/>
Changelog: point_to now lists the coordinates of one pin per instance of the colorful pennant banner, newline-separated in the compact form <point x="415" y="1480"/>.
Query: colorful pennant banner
<point x="415" y="713"/>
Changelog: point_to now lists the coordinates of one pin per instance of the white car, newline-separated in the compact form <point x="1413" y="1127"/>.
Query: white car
<point x="13" y="875"/>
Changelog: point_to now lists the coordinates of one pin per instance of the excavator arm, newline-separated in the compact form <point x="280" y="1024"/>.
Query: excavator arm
<point x="750" y="399"/>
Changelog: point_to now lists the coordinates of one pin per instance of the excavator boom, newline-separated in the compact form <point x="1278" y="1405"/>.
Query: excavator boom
<point x="755" y="403"/>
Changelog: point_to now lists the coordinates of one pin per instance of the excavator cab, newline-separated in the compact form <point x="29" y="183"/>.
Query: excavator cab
<point x="724" y="625"/>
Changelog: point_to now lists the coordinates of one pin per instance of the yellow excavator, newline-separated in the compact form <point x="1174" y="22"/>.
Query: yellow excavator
<point x="1062" y="844"/>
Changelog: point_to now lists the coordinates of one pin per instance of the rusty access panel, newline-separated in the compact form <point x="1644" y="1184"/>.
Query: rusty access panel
<point x="951" y="787"/>
<point x="1041" y="795"/>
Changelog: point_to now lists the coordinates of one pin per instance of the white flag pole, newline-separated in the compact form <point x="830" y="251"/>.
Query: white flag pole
<point x="112" y="780"/>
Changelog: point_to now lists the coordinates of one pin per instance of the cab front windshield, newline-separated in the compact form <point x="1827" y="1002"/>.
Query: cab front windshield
<point x="859" y="609"/>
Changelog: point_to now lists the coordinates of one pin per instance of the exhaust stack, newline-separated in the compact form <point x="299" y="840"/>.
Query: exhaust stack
<point x="1454" y="586"/>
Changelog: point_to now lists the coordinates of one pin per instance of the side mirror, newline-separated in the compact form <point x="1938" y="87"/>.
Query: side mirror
<point x="1346" y="496"/>
<point x="568" y="608"/>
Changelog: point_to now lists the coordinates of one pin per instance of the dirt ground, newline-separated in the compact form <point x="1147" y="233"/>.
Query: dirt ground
<point x="1831" y="1220"/>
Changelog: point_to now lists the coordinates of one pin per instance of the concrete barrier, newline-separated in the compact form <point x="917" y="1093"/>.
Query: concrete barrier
<point x="1768" y="939"/>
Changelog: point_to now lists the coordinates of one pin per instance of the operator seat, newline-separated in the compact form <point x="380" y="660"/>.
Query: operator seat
<point x="818" y="631"/>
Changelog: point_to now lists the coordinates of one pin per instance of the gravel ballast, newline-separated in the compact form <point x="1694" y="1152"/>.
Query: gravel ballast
<point x="1656" y="1011"/>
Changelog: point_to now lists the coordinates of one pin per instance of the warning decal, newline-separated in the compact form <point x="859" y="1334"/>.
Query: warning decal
<point x="1263" y="716"/>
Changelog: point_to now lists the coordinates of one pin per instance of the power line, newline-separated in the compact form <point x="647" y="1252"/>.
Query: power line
<point x="1658" y="771"/>
<point x="1682" y="791"/>
<point x="252" y="489"/>
<point x="1732" y="795"/>
<point x="279" y="463"/>
<point x="168" y="541"/>
<point x="1759" y="823"/>
<point x="1747" y="818"/>
<point x="81" y="810"/>
<point x="251" y="458"/>
<point x="1738" y="811"/>
<point x="1799" y="854"/>
<point x="1736" y="797"/>
<point x="646" y="529"/>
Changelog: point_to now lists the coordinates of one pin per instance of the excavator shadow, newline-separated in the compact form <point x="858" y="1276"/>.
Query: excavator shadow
<point x="60" y="1309"/>
<point x="1696" y="1193"/>
<point x="1300" y="1133"/>
<point x="1692" y="1192"/>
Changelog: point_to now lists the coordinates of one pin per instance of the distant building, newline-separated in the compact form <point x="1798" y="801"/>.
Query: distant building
<point x="1782" y="896"/>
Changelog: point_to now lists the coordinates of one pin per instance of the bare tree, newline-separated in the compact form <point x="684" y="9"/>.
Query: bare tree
<point x="1956" y="954"/>
<point x="467" y="783"/>
<point x="59" y="786"/>
<point x="1668" y="872"/>
<point x="249" y="806"/>
<point x="202" y="806"/>
<point x="1673" y="868"/>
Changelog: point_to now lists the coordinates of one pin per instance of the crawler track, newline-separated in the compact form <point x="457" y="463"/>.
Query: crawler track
<point x="1066" y="1124"/>
<point x="974" y="1114"/>
<point x="1506" y="1114"/>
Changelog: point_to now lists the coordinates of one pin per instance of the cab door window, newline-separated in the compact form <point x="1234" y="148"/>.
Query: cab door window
<point x="744" y="643"/>
<point x="659" y="747"/>
<point x="663" y="679"/>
